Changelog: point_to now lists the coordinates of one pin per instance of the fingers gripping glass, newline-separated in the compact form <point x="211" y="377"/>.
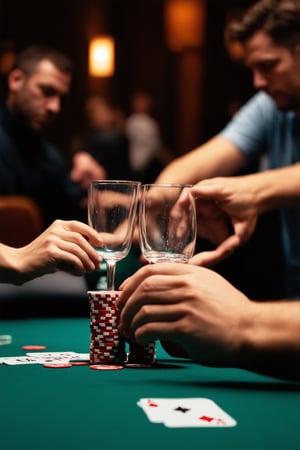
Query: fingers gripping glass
<point x="167" y="223"/>
<point x="112" y="207"/>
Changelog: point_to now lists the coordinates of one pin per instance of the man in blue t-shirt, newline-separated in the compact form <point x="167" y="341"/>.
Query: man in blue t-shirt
<point x="268" y="127"/>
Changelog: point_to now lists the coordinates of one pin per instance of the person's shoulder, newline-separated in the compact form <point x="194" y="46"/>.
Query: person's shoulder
<point x="260" y="107"/>
<point x="266" y="106"/>
<point x="262" y="100"/>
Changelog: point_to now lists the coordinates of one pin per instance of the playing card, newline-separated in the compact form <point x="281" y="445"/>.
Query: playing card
<point x="42" y="358"/>
<point x="186" y="412"/>
<point x="197" y="413"/>
<point x="81" y="356"/>
<point x="153" y="408"/>
<point x="16" y="360"/>
<point x="53" y="355"/>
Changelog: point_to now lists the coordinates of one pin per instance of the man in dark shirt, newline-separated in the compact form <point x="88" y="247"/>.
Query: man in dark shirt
<point x="29" y="164"/>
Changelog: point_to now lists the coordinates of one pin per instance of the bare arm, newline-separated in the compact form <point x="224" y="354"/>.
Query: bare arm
<point x="214" y="323"/>
<point x="65" y="246"/>
<point x="277" y="188"/>
<point x="271" y="339"/>
<point x="217" y="157"/>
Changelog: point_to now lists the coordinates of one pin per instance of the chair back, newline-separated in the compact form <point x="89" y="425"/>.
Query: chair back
<point x="20" y="220"/>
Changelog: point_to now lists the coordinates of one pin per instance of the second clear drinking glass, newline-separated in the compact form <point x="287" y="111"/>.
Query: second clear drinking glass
<point x="167" y="222"/>
<point x="112" y="206"/>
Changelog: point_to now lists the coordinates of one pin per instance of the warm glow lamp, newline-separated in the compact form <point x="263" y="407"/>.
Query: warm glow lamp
<point x="184" y="23"/>
<point x="101" y="56"/>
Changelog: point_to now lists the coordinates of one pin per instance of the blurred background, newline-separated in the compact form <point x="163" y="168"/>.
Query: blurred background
<point x="173" y="49"/>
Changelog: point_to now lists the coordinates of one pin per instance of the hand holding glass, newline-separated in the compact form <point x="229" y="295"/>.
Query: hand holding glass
<point x="112" y="207"/>
<point x="167" y="222"/>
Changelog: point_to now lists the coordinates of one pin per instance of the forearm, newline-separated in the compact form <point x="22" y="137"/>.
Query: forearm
<point x="271" y="339"/>
<point x="9" y="272"/>
<point x="217" y="157"/>
<point x="277" y="188"/>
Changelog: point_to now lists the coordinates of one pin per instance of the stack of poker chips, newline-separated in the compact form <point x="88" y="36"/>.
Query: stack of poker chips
<point x="106" y="346"/>
<point x="141" y="354"/>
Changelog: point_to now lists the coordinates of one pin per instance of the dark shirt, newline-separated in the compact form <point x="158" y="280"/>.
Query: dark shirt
<point x="31" y="166"/>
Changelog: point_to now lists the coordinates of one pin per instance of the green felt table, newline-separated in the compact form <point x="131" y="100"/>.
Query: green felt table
<point x="83" y="409"/>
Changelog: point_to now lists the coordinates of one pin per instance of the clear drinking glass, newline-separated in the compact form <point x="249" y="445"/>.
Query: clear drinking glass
<point x="167" y="222"/>
<point x="112" y="207"/>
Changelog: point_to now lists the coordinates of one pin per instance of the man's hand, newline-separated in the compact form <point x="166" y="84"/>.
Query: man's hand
<point x="227" y="215"/>
<point x="85" y="169"/>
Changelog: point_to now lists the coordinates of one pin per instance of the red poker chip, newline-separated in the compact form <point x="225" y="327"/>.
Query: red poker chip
<point x="110" y="333"/>
<point x="106" y="345"/>
<point x="106" y="334"/>
<point x="97" y="329"/>
<point x="102" y="305"/>
<point x="106" y="308"/>
<point x="107" y="340"/>
<point x="111" y="349"/>
<point x="105" y="367"/>
<point x="99" y="332"/>
<point x="33" y="347"/>
<point x="104" y="352"/>
<point x="106" y="311"/>
<point x="104" y="326"/>
<point x="106" y="317"/>
<point x="57" y="365"/>
<point x="99" y="340"/>
<point x="100" y="328"/>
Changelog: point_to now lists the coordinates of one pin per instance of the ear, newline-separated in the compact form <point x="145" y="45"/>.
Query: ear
<point x="15" y="80"/>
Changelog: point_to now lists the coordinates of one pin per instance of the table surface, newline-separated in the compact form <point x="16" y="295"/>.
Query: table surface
<point x="79" y="408"/>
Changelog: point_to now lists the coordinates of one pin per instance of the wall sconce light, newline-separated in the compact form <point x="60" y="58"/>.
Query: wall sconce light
<point x="101" y="56"/>
<point x="7" y="56"/>
<point x="184" y="24"/>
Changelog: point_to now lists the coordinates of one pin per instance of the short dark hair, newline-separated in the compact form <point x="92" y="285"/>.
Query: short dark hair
<point x="27" y="59"/>
<point x="278" y="18"/>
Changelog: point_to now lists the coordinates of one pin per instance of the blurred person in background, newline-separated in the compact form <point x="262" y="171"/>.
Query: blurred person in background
<point x="29" y="164"/>
<point x="147" y="155"/>
<point x="103" y="141"/>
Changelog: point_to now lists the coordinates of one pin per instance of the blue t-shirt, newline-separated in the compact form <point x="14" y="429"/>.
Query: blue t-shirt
<point x="261" y="131"/>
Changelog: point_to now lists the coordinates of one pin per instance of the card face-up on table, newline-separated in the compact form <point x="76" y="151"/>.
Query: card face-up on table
<point x="185" y="412"/>
<point x="43" y="357"/>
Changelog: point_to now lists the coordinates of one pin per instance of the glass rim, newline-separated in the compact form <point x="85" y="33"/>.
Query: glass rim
<point x="180" y="185"/>
<point x="115" y="182"/>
